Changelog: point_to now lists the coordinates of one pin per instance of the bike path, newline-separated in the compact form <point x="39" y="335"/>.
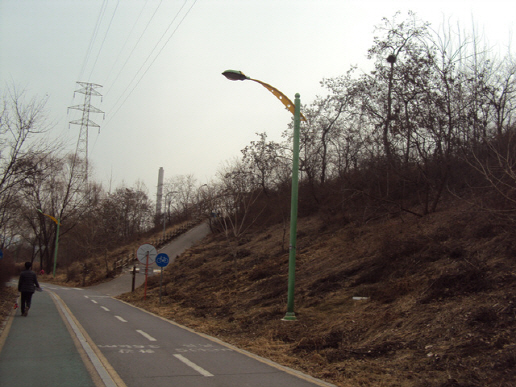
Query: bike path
<point x="39" y="350"/>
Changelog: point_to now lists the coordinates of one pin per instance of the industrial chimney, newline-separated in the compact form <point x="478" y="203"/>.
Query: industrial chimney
<point x="159" y="194"/>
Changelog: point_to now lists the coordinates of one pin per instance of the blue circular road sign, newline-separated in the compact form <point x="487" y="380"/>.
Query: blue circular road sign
<point x="162" y="260"/>
<point x="1" y="254"/>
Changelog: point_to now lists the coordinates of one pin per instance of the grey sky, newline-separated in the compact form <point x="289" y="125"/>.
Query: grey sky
<point x="171" y="107"/>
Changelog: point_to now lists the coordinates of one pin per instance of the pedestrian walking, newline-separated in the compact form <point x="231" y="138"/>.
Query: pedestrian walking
<point x="27" y="285"/>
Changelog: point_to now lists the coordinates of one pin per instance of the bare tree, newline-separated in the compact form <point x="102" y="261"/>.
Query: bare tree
<point x="58" y="188"/>
<point x="400" y="40"/>
<point x="21" y="120"/>
<point x="263" y="159"/>
<point x="125" y="213"/>
<point x="182" y="189"/>
<point x="237" y="193"/>
<point x="234" y="204"/>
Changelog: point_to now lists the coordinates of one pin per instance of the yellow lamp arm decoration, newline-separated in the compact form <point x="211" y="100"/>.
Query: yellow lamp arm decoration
<point x="51" y="217"/>
<point x="235" y="75"/>
<point x="282" y="97"/>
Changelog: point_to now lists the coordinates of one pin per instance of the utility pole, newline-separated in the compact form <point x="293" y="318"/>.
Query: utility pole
<point x="88" y="89"/>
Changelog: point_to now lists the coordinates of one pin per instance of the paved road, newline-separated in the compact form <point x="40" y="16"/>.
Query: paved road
<point x="129" y="347"/>
<point x="185" y="241"/>
<point x="147" y="350"/>
<point x="39" y="351"/>
<point x="123" y="283"/>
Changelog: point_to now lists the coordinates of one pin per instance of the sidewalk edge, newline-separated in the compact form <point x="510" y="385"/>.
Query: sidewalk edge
<point x="7" y="327"/>
<point x="106" y="372"/>
<point x="288" y="370"/>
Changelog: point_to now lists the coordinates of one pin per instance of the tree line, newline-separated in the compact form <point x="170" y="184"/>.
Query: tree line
<point x="433" y="119"/>
<point x="41" y="184"/>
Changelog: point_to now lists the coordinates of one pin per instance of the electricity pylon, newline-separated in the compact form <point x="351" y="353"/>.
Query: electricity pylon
<point x="88" y="89"/>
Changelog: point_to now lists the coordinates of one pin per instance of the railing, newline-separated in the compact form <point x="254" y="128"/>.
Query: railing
<point x="157" y="243"/>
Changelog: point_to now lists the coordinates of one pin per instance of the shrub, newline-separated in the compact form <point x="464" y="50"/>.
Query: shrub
<point x="73" y="272"/>
<point x="7" y="270"/>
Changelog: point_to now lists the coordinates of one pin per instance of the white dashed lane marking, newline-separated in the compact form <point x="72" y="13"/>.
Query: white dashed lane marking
<point x="190" y="364"/>
<point x="120" y="318"/>
<point x="146" y="335"/>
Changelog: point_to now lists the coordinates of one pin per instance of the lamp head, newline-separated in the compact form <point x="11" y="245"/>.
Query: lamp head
<point x="235" y="75"/>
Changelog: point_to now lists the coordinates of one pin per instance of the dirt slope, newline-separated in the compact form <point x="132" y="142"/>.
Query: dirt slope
<point x="439" y="310"/>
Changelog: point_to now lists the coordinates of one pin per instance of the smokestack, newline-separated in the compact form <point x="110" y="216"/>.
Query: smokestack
<point x="159" y="194"/>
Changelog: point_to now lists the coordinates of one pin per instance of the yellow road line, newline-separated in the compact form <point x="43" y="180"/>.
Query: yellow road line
<point x="7" y="327"/>
<point x="94" y="360"/>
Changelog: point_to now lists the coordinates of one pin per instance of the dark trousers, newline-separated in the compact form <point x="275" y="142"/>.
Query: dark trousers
<point x="26" y="298"/>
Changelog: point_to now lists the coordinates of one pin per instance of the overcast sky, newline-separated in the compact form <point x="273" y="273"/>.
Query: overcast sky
<point x="166" y="103"/>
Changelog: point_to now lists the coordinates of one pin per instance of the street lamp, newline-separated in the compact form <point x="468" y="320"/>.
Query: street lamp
<point x="295" y="109"/>
<point x="235" y="75"/>
<point x="200" y="199"/>
<point x="58" y="223"/>
<point x="164" y="214"/>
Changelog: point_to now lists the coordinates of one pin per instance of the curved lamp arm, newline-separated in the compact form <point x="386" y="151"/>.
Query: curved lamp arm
<point x="235" y="75"/>
<point x="50" y="216"/>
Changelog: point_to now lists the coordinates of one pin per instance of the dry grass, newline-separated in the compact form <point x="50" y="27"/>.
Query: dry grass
<point x="8" y="297"/>
<point x="441" y="307"/>
<point x="101" y="268"/>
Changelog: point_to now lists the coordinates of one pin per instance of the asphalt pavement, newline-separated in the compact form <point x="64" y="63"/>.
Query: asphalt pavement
<point x="123" y="284"/>
<point x="85" y="337"/>
<point x="39" y="351"/>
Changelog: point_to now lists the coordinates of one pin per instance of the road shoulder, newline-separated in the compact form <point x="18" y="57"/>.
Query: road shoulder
<point x="97" y="365"/>
<point x="39" y="350"/>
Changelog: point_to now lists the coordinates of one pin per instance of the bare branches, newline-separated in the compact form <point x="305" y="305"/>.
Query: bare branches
<point x="20" y="120"/>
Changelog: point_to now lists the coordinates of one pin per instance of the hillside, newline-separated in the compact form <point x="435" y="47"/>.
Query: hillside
<point x="440" y="306"/>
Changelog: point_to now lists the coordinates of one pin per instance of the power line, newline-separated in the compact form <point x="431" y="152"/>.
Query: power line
<point x="126" y="40"/>
<point x="150" y="65"/>
<point x="134" y="47"/>
<point x="104" y="40"/>
<point x="82" y="143"/>
<point x="147" y="63"/>
<point x="93" y="37"/>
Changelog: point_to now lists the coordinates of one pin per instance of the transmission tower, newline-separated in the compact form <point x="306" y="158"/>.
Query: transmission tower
<point x="88" y="89"/>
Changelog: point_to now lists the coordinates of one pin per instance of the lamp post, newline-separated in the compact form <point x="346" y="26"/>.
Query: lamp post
<point x="295" y="109"/>
<point x="58" y="223"/>
<point x="200" y="200"/>
<point x="164" y="214"/>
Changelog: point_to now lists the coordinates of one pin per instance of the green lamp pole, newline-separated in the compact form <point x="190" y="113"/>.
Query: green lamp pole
<point x="58" y="222"/>
<point x="295" y="109"/>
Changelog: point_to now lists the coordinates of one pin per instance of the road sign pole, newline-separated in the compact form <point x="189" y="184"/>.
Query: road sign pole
<point x="162" y="260"/>
<point x="160" y="285"/>
<point x="146" y="254"/>
<point x="57" y="245"/>
<point x="146" y="274"/>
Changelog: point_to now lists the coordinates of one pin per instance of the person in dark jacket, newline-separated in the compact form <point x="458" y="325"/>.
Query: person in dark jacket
<point x="27" y="284"/>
